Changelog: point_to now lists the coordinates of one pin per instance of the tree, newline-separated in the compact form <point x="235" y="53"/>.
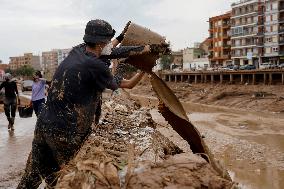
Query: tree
<point x="24" y="71"/>
<point x="166" y="61"/>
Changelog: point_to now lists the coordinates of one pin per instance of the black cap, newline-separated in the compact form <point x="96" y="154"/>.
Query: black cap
<point x="98" y="31"/>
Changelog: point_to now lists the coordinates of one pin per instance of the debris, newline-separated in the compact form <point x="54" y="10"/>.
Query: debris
<point x="129" y="147"/>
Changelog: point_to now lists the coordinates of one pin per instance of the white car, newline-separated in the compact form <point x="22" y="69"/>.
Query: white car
<point x="264" y="66"/>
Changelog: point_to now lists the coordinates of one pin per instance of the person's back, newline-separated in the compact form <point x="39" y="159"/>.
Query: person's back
<point x="73" y="94"/>
<point x="10" y="100"/>
<point x="10" y="89"/>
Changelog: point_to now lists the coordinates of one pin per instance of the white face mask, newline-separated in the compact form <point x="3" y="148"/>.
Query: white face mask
<point x="107" y="49"/>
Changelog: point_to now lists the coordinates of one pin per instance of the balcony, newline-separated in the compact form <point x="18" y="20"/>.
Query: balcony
<point x="226" y="46"/>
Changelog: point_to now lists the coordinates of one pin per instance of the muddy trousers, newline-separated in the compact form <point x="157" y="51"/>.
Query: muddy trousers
<point x="52" y="147"/>
<point x="10" y="106"/>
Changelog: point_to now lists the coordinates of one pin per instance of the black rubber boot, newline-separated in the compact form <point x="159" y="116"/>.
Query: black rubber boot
<point x="9" y="125"/>
<point x="12" y="123"/>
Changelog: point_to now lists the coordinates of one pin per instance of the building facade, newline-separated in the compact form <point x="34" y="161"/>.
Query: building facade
<point x="274" y="32"/>
<point x="177" y="59"/>
<point x="27" y="60"/>
<point x="52" y="59"/>
<point x="193" y="58"/>
<point x="220" y="41"/>
<point x="62" y="54"/>
<point x="247" y="32"/>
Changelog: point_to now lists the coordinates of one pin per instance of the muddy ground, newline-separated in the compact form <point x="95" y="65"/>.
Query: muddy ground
<point x="268" y="98"/>
<point x="127" y="151"/>
<point x="242" y="125"/>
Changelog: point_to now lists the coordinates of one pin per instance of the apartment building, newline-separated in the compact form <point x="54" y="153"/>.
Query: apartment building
<point x="274" y="32"/>
<point x="247" y="32"/>
<point x="194" y="57"/>
<point x="220" y="41"/>
<point x="52" y="59"/>
<point x="62" y="54"/>
<point x="49" y="62"/>
<point x="177" y="59"/>
<point x="28" y="59"/>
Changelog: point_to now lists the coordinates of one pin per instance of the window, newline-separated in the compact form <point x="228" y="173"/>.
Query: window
<point x="275" y="49"/>
<point x="275" y="5"/>
<point x="237" y="42"/>
<point x="274" y="17"/>
<point x="220" y="23"/>
<point x="268" y="7"/>
<point x="268" y="40"/>
<point x="274" y="39"/>
<point x="274" y="28"/>
<point x="267" y="18"/>
<point x="267" y="50"/>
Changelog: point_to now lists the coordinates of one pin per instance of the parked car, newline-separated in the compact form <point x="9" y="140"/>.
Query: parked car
<point x="225" y="68"/>
<point x="27" y="85"/>
<point x="264" y="66"/>
<point x="248" y="67"/>
<point x="281" y="66"/>
<point x="236" y="67"/>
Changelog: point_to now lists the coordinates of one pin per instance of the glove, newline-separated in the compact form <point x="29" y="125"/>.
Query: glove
<point x="121" y="36"/>
<point x="160" y="48"/>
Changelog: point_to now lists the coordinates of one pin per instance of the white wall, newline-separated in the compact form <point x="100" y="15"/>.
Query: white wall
<point x="196" y="63"/>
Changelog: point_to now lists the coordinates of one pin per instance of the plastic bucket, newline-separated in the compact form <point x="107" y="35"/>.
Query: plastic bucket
<point x="137" y="35"/>
<point x="25" y="111"/>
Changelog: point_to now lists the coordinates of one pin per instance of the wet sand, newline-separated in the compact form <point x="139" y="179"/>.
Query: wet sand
<point x="249" y="144"/>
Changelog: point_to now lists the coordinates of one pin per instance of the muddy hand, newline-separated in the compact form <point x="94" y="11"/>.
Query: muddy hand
<point x="160" y="48"/>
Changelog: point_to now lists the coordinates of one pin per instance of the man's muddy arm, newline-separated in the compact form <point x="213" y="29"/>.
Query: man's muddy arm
<point x="125" y="52"/>
<point x="129" y="84"/>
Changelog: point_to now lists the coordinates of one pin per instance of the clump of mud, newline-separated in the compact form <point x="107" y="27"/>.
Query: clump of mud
<point x="126" y="151"/>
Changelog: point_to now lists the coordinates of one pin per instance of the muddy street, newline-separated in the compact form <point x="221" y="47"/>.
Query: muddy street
<point x="249" y="144"/>
<point x="14" y="149"/>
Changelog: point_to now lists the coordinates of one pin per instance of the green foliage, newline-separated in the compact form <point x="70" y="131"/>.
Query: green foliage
<point x="8" y="70"/>
<point x="166" y="61"/>
<point x="22" y="71"/>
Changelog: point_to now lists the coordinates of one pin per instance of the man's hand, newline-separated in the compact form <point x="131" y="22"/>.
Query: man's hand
<point x="31" y="104"/>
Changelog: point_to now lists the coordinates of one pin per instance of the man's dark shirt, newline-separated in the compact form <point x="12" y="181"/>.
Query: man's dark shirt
<point x="75" y="88"/>
<point x="10" y="89"/>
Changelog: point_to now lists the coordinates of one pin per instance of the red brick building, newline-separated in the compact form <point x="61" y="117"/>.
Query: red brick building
<point x="220" y="41"/>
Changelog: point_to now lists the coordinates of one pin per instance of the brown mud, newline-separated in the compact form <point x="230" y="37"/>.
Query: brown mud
<point x="127" y="151"/>
<point x="263" y="98"/>
<point x="249" y="144"/>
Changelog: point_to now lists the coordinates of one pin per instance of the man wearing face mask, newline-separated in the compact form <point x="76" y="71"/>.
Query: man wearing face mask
<point x="66" y="118"/>
<point x="10" y="100"/>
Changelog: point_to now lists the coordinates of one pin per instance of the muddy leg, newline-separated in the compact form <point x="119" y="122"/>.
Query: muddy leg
<point x="7" y="112"/>
<point x="40" y="165"/>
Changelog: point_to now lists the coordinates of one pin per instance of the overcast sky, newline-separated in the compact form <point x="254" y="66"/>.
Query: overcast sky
<point x="41" y="25"/>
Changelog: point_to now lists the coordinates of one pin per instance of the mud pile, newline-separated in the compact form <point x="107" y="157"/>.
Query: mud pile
<point x="268" y="98"/>
<point x="126" y="151"/>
